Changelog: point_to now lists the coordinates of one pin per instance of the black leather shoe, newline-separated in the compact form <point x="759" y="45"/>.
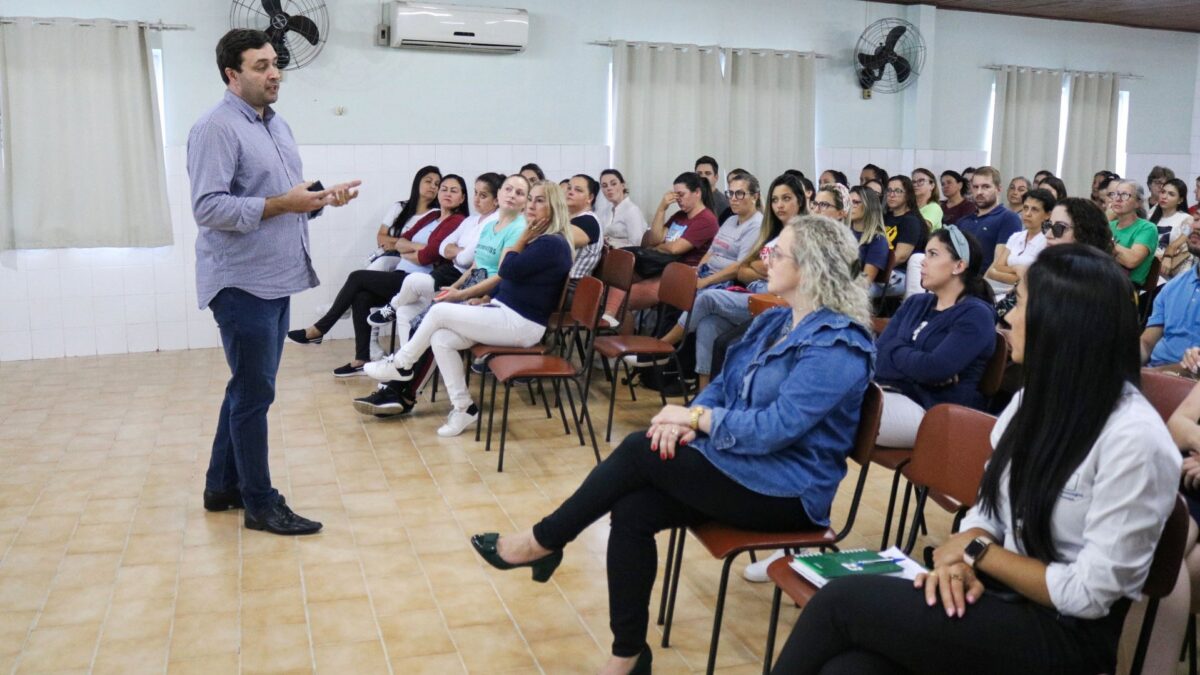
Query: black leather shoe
<point x="543" y="568"/>
<point x="299" y="335"/>
<point x="224" y="500"/>
<point x="281" y="520"/>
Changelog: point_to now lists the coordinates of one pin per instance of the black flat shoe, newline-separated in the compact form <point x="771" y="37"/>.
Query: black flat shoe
<point x="644" y="660"/>
<point x="279" y="519"/>
<point x="299" y="335"/>
<point x="226" y="500"/>
<point x="543" y="568"/>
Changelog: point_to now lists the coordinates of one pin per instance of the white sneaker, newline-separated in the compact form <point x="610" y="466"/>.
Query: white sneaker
<point x="757" y="572"/>
<point x="383" y="369"/>
<point x="458" y="421"/>
<point x="376" y="351"/>
<point x="645" y="360"/>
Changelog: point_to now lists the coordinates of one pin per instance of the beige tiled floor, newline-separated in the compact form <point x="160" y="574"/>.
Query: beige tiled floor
<point x="110" y="564"/>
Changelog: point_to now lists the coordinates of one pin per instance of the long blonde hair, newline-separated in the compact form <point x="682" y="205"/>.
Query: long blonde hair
<point x="826" y="252"/>
<point x="560" y="218"/>
<point x="873" y="225"/>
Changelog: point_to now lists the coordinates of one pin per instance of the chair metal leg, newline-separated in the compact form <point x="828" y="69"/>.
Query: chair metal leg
<point x="769" y="655"/>
<point x="666" y="583"/>
<point x="1191" y="644"/>
<point x="666" y="638"/>
<point x="532" y="395"/>
<point x="503" y="425"/>
<point x="682" y="383"/>
<point x="585" y="414"/>
<point x="719" y="614"/>
<point x="1143" y="643"/>
<point x="545" y="400"/>
<point x="612" y="403"/>
<point x="629" y="379"/>
<point x="433" y="391"/>
<point x="918" y="514"/>
<point x="491" y="416"/>
<point x="561" y="411"/>
<point x="479" y="422"/>
<point x="887" y="520"/>
<point x="900" y="529"/>
<point x="574" y="415"/>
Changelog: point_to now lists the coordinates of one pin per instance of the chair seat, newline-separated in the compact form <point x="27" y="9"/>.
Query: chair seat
<point x="644" y="294"/>
<point x="507" y="366"/>
<point x="891" y="458"/>
<point x="722" y="540"/>
<point x="796" y="587"/>
<point x="488" y="351"/>
<point x="612" y="346"/>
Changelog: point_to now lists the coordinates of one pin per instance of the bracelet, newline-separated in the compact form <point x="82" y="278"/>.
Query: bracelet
<point x="697" y="413"/>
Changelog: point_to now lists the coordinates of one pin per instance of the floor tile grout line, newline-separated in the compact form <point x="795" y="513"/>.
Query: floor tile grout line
<point x="312" y="644"/>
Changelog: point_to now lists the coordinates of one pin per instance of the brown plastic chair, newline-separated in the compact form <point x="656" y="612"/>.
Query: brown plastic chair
<point x="505" y="368"/>
<point x="761" y="302"/>
<point x="1164" y="570"/>
<point x="1164" y="391"/>
<point x="678" y="290"/>
<point x="727" y="542"/>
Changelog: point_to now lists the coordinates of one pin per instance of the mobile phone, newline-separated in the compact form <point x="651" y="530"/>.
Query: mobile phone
<point x="315" y="187"/>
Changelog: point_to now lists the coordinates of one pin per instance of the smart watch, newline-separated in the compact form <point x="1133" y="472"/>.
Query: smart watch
<point x="975" y="550"/>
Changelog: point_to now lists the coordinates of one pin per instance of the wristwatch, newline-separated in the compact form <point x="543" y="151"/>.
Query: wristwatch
<point x="975" y="550"/>
<point x="697" y="412"/>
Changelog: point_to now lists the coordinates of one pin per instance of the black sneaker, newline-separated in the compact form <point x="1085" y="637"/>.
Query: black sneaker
<point x="298" y="335"/>
<point x="381" y="316"/>
<point x="348" y="370"/>
<point x="384" y="401"/>
<point x="480" y="366"/>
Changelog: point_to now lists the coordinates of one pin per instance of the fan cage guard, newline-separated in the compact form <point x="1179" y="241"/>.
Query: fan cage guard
<point x="911" y="46"/>
<point x="252" y="14"/>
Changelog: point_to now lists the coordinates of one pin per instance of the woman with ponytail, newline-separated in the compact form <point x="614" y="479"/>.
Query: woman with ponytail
<point x="689" y="232"/>
<point x="936" y="347"/>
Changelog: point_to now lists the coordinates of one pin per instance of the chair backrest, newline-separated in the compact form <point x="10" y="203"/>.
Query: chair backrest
<point x="884" y="275"/>
<point x="993" y="374"/>
<point x="878" y="323"/>
<point x="953" y="445"/>
<point x="616" y="270"/>
<point x="1168" y="556"/>
<point x="1165" y="391"/>
<point x="1151" y="281"/>
<point x="586" y="304"/>
<point x="678" y="286"/>
<point x="761" y="302"/>
<point x="868" y="425"/>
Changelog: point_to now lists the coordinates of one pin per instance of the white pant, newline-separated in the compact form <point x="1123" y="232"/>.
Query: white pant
<point x="384" y="263"/>
<point x="415" y="296"/>
<point x="912" y="279"/>
<point x="899" y="422"/>
<point x="449" y="328"/>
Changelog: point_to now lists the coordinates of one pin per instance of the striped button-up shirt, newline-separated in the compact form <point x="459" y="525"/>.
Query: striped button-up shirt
<point x="235" y="161"/>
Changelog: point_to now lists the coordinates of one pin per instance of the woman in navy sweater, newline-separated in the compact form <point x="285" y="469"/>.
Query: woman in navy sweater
<point x="936" y="347"/>
<point x="532" y="274"/>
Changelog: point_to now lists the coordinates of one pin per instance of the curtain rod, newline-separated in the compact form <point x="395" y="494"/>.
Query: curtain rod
<point x="1126" y="76"/>
<point x="87" y="23"/>
<point x="752" y="50"/>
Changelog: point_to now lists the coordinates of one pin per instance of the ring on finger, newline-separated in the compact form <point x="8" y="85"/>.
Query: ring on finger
<point x="956" y="577"/>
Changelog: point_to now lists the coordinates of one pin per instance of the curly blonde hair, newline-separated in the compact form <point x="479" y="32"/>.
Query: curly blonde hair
<point x="826" y="252"/>
<point x="560" y="217"/>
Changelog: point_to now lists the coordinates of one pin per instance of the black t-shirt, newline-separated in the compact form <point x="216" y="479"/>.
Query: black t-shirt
<point x="588" y="223"/>
<point x="906" y="229"/>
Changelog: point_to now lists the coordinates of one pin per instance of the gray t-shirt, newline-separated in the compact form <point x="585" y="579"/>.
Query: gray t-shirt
<point x="734" y="241"/>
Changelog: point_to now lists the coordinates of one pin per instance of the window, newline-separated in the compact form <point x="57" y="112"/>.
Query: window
<point x="1122" y="129"/>
<point x="158" y="83"/>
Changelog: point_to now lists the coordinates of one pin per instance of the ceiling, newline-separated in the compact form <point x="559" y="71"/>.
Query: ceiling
<point x="1179" y="15"/>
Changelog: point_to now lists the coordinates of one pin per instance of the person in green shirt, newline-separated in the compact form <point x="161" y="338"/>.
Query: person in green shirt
<point x="1134" y="237"/>
<point x="925" y="185"/>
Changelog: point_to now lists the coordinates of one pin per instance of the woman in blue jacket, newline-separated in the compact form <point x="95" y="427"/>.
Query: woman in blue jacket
<point x="936" y="347"/>
<point x="764" y="446"/>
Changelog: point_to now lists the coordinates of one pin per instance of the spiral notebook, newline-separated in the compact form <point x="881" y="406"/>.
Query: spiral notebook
<point x="819" y="568"/>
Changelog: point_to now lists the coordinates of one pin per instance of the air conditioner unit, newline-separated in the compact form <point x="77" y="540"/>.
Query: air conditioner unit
<point x="416" y="25"/>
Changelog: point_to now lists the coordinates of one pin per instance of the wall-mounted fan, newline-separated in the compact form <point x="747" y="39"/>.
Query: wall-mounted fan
<point x="889" y="56"/>
<point x="296" y="27"/>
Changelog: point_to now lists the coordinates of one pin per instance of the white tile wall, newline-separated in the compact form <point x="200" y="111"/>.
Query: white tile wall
<point x="82" y="302"/>
<point x="851" y="160"/>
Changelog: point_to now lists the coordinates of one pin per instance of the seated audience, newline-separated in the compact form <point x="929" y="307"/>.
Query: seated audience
<point x="1174" y="223"/>
<point x="866" y="220"/>
<point x="833" y="176"/>
<point x="1054" y="185"/>
<point x="763" y="453"/>
<point x="1078" y="221"/>
<point x="968" y="174"/>
<point x="1196" y="207"/>
<point x="874" y="186"/>
<point x="1134" y="237"/>
<point x="688" y="233"/>
<point x="907" y="233"/>
<point x="1023" y="247"/>
<point x="532" y="274"/>
<point x="1172" y="335"/>
<point x="871" y="172"/>
<point x="403" y="215"/>
<point x="1159" y="175"/>
<point x="1017" y="188"/>
<point x="925" y="186"/>
<point x="1070" y="510"/>
<point x="627" y="225"/>
<point x="991" y="224"/>
<point x="533" y="173"/>
<point x="1098" y="182"/>
<point x="1107" y="189"/>
<point x="956" y="205"/>
<point x="1041" y="176"/>
<point x="366" y="289"/>
<point x="936" y="347"/>
<point x="585" y="229"/>
<point x="706" y="167"/>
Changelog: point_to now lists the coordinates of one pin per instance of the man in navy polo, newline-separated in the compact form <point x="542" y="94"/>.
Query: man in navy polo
<point x="991" y="224"/>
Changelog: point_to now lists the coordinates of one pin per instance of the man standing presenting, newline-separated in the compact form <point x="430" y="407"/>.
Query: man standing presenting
<point x="252" y="206"/>
<point x="991" y="224"/>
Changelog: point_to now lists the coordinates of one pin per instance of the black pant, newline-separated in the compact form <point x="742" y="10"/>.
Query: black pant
<point x="363" y="290"/>
<point x="647" y="495"/>
<point x="868" y="625"/>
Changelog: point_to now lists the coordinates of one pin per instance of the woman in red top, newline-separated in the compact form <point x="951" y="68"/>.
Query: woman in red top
<point x="365" y="289"/>
<point x="690" y="231"/>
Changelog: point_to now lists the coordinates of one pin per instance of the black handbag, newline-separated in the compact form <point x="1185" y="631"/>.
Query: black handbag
<point x="649" y="262"/>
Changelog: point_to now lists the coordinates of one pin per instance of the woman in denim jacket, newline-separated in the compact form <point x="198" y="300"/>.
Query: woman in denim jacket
<point x="763" y="448"/>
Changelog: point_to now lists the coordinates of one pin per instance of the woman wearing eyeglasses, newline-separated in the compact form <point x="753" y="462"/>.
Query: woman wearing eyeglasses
<point x="925" y="186"/>
<point x="1023" y="247"/>
<point x="936" y="347"/>
<point x="1134" y="237"/>
<point x="907" y="232"/>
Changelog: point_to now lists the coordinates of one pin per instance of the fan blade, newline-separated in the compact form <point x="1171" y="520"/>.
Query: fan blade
<point x="866" y="80"/>
<point x="893" y="37"/>
<point x="282" y="53"/>
<point x="305" y="27"/>
<point x="272" y="7"/>
<point x="872" y="62"/>
<point x="903" y="69"/>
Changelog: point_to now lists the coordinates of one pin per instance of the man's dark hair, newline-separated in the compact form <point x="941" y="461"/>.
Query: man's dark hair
<point x="231" y="46"/>
<point x="705" y="159"/>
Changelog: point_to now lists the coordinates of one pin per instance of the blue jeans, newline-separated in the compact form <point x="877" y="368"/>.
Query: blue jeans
<point x="713" y="314"/>
<point x="252" y="332"/>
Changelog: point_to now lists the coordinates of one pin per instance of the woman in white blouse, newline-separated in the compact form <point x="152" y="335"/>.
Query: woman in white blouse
<point x="627" y="224"/>
<point x="1174" y="226"/>
<point x="1023" y="247"/>
<point x="1086" y="467"/>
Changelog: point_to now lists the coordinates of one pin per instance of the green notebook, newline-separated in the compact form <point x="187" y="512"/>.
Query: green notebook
<point x="819" y="568"/>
